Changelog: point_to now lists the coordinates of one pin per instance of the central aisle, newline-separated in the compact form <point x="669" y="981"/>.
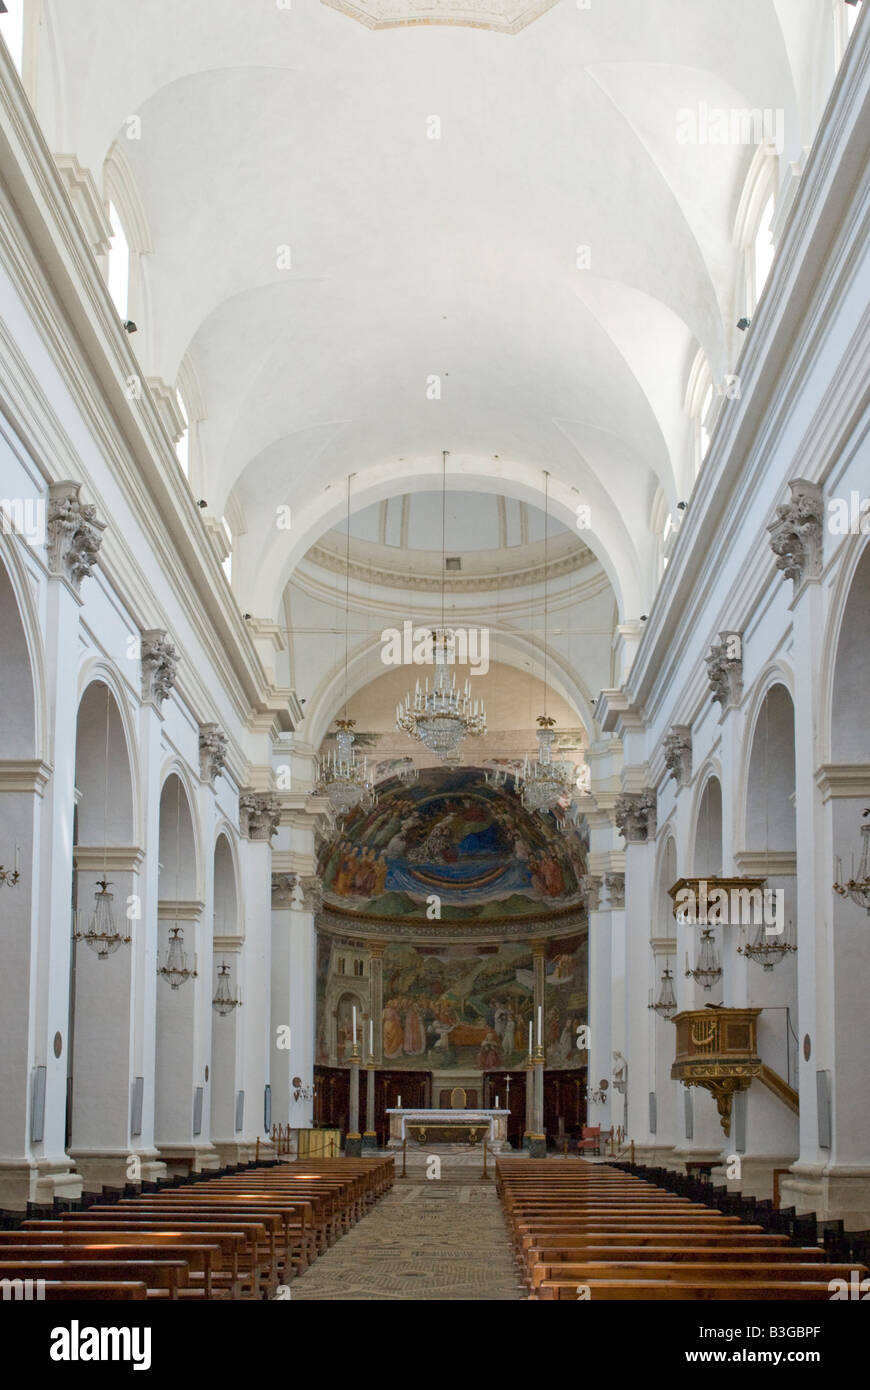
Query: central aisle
<point x="427" y="1239"/>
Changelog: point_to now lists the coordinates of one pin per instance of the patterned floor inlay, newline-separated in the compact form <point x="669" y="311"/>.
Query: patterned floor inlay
<point x="425" y="1240"/>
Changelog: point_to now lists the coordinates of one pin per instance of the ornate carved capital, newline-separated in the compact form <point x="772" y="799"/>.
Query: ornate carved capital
<point x="284" y="890"/>
<point x="159" y="665"/>
<point x="591" y="886"/>
<point x="796" y="533"/>
<point x="725" y="669"/>
<point x="635" y="816"/>
<point x="678" y="753"/>
<point x="212" y="752"/>
<point x="74" y="533"/>
<point x="259" y="815"/>
<point x="615" y="886"/>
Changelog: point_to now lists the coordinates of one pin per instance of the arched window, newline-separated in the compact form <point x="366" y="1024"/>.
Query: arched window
<point x="182" y="447"/>
<point x="119" y="263"/>
<point x="12" y="30"/>
<point x="763" y="249"/>
<point x="227" y="563"/>
<point x="701" y="402"/>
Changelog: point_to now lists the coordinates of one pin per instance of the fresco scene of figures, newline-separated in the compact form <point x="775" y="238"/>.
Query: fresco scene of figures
<point x="472" y="848"/>
<point x="463" y="1007"/>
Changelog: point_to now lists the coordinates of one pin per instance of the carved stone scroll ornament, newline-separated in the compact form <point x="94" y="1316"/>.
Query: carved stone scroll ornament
<point x="159" y="665"/>
<point x="677" y="747"/>
<point x="74" y="534"/>
<point x="725" y="669"/>
<point x="212" y="752"/>
<point x="796" y="534"/>
<point x="259" y="815"/>
<point x="635" y="816"/>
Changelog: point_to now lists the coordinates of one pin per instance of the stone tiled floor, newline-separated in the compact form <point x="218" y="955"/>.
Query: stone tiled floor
<point x="437" y="1239"/>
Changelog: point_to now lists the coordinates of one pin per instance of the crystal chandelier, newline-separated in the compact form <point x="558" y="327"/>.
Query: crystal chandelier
<point x="708" y="968"/>
<point x="443" y="716"/>
<point x="223" y="1000"/>
<point x="344" y="780"/>
<point x="858" y="889"/>
<point x="175" y="968"/>
<point x="102" y="934"/>
<point x="767" y="948"/>
<point x="545" y="783"/>
<point x="666" y="1004"/>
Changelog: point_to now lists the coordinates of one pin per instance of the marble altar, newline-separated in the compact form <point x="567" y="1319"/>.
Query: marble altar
<point x="448" y="1126"/>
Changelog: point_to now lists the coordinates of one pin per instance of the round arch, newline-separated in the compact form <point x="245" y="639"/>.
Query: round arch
<point x="22" y="671"/>
<point x="180" y="836"/>
<point x="853" y="570"/>
<point x="705" y="842"/>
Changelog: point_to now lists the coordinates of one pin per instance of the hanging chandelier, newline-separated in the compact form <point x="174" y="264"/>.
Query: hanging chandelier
<point x="858" y="889"/>
<point x="175" y="968"/>
<point x="223" y="1001"/>
<point x="666" y="1004"/>
<point x="708" y="968"/>
<point x="102" y="934"/>
<point x="343" y="779"/>
<point x="544" y="783"/>
<point x="768" y="949"/>
<point x="442" y="717"/>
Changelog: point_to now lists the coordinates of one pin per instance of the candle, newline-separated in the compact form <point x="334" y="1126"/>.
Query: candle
<point x="372" y="1036"/>
<point x="496" y="1103"/>
<point x="17" y="858"/>
<point x="354" y="1024"/>
<point x="530" y="1037"/>
<point x="399" y="1103"/>
<point x="540" y="1025"/>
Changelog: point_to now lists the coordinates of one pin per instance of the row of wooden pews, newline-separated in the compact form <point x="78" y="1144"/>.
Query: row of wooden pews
<point x="583" y="1230"/>
<point x="237" y="1236"/>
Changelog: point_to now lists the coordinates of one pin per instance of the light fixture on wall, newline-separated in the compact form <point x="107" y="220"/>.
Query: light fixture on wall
<point x="666" y="1004"/>
<point x="544" y="783"/>
<point x="708" y="968"/>
<point x="175" y="968"/>
<point x="343" y="779"/>
<point x="11" y="876"/>
<point x="442" y="717"/>
<point x="102" y="934"/>
<point x="223" y="1001"/>
<point x="858" y="889"/>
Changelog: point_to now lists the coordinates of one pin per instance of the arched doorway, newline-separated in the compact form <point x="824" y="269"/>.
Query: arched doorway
<point x="181" y="989"/>
<point x="226" y="1032"/>
<point x="106" y="914"/>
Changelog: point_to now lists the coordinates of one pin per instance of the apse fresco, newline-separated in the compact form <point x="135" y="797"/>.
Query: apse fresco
<point x="463" y="1007"/>
<point x="452" y="840"/>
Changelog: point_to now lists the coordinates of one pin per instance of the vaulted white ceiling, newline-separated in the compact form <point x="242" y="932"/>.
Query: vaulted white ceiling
<point x="413" y="257"/>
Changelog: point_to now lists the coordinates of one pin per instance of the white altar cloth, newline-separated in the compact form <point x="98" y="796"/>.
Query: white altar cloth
<point x="496" y="1120"/>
